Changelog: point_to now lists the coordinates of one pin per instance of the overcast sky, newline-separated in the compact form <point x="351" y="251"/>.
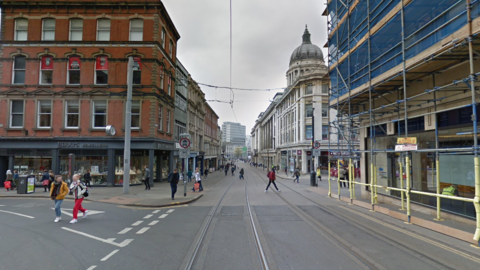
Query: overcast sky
<point x="265" y="33"/>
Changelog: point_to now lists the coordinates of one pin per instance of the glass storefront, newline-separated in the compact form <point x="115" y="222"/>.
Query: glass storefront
<point x="32" y="165"/>
<point x="95" y="161"/>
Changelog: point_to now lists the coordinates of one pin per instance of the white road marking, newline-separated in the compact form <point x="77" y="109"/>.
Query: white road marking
<point x="92" y="267"/>
<point x="109" y="255"/>
<point x="124" y="231"/>
<point x="108" y="241"/>
<point x="147" y="216"/>
<point x="4" y="205"/>
<point x="163" y="216"/>
<point x="153" y="223"/>
<point x="90" y="212"/>
<point x="170" y="211"/>
<point x="142" y="230"/>
<point x="137" y="223"/>
<point x="156" y="211"/>
<point x="13" y="213"/>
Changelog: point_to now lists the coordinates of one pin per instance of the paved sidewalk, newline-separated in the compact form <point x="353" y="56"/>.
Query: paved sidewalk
<point x="157" y="196"/>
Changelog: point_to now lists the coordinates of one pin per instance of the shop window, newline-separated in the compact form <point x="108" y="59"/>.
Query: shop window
<point x="94" y="160"/>
<point x="46" y="70"/>
<point x="324" y="88"/>
<point x="309" y="90"/>
<point x="162" y="73"/>
<point x="76" y="29"/>
<point x="168" y="121"/>
<point x="309" y="110"/>
<point x="324" y="132"/>
<point x="160" y="117"/>
<point x="48" y="29"/>
<point x="21" y="29"/>
<point x="164" y="34"/>
<point x="169" y="85"/>
<point x="19" y="70"/>
<point x="103" y="29"/>
<point x="308" y="134"/>
<point x="72" y="114"/>
<point x="44" y="114"/>
<point x="99" y="114"/>
<point x="74" y="65"/>
<point x="136" y="30"/>
<point x="137" y="70"/>
<point x="138" y="161"/>
<point x="170" y="49"/>
<point x="32" y="164"/>
<point x="16" y="113"/>
<point x="101" y="70"/>
<point x="324" y="110"/>
<point x="135" y="114"/>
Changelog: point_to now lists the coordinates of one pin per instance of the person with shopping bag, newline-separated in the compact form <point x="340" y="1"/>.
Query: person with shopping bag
<point x="46" y="181"/>
<point x="198" y="181"/>
<point x="58" y="191"/>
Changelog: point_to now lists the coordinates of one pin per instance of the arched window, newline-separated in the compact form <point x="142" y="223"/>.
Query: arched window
<point x="101" y="70"/>
<point x="103" y="29"/>
<point x="21" y="29"/>
<point x="74" y="66"/>
<point x="46" y="69"/>
<point x="48" y="29"/>
<point x="19" y="69"/>
<point x="136" y="30"/>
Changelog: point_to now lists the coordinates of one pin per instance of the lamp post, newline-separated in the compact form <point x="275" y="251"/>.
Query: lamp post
<point x="128" y="126"/>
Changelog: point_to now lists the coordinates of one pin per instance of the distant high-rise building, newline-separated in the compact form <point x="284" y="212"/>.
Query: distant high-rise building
<point x="234" y="133"/>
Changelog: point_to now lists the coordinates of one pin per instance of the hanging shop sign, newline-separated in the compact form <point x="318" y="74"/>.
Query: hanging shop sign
<point x="407" y="140"/>
<point x="299" y="152"/>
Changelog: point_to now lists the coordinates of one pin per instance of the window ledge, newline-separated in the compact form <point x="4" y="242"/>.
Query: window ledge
<point x="15" y="129"/>
<point x="161" y="132"/>
<point x="97" y="129"/>
<point x="169" y="134"/>
<point x="74" y="85"/>
<point x="70" y="129"/>
<point x="100" y="85"/>
<point x="42" y="129"/>
<point x="133" y="129"/>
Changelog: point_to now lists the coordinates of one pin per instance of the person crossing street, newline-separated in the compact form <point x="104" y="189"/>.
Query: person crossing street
<point x="173" y="178"/>
<point x="271" y="180"/>
<point x="78" y="189"/>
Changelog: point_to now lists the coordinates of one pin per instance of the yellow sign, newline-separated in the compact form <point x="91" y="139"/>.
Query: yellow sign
<point x="407" y="140"/>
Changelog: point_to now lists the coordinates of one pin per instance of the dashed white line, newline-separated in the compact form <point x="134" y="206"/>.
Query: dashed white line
<point x="170" y="211"/>
<point x="147" y="216"/>
<point x="153" y="223"/>
<point x="109" y="255"/>
<point x="13" y="213"/>
<point x="92" y="267"/>
<point x="156" y="211"/>
<point x="124" y="231"/>
<point x="137" y="223"/>
<point x="142" y="230"/>
<point x="163" y="216"/>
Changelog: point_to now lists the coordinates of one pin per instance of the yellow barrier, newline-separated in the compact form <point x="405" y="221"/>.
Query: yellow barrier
<point x="401" y="185"/>
<point x="375" y="197"/>
<point x="329" y="183"/>
<point x="407" y="168"/>
<point x="476" y="200"/>
<point x="338" y="179"/>
<point x="437" y="165"/>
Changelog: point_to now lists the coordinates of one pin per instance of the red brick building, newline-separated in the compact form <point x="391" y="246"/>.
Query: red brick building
<point x="212" y="144"/>
<point x="63" y="70"/>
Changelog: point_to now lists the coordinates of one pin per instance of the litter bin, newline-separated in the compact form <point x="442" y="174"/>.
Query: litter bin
<point x="26" y="184"/>
<point x="313" y="182"/>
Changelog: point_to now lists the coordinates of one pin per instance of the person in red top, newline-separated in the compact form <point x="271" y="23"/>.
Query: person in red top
<point x="271" y="179"/>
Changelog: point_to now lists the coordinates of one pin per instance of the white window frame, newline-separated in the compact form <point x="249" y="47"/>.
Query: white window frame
<point x="306" y="87"/>
<point x="130" y="29"/>
<point x="168" y="121"/>
<point x="160" y="117"/>
<point x="170" y="52"/>
<point x="68" y="72"/>
<point x="162" y="75"/>
<point x="48" y="30"/>
<point x="139" y="102"/>
<point x="76" y="30"/>
<point x="95" y="73"/>
<point x="14" y="69"/>
<point x="39" y="113"/>
<point x="104" y="30"/>
<point x="169" y="85"/>
<point x="325" y="88"/>
<point x="163" y="37"/>
<point x="11" y="114"/>
<point x="22" y="30"/>
<point x="67" y="102"/>
<point x="324" y="108"/>
<point x="94" y="114"/>
<point x="41" y="71"/>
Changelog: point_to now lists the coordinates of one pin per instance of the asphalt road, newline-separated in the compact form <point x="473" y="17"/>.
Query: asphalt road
<point x="297" y="229"/>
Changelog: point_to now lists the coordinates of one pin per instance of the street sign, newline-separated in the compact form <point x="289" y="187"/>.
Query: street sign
<point x="407" y="140"/>
<point x="405" y="147"/>
<point x="316" y="144"/>
<point x="316" y="152"/>
<point x="184" y="153"/>
<point x="184" y="143"/>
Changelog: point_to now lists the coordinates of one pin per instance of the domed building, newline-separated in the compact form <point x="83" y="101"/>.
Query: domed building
<point x="282" y="134"/>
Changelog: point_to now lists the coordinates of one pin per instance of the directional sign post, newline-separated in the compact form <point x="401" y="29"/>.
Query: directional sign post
<point x="184" y="143"/>
<point x="316" y="144"/>
<point x="316" y="152"/>
<point x="184" y="153"/>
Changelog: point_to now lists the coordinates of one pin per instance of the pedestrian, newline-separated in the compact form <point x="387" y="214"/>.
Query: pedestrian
<point x="241" y="174"/>
<point x="233" y="170"/>
<point x="296" y="174"/>
<point x="52" y="178"/>
<point x="206" y="173"/>
<point x="147" y="178"/>
<point x="271" y="180"/>
<point x="173" y="178"/>
<point x="10" y="179"/>
<point x="46" y="181"/>
<point x="77" y="189"/>
<point x="319" y="174"/>
<point x="87" y="178"/>
<point x="286" y="171"/>
<point x="189" y="175"/>
<point x="15" y="179"/>
<point x="198" y="180"/>
<point x="58" y="191"/>
<point x="226" y="170"/>
<point x="345" y="178"/>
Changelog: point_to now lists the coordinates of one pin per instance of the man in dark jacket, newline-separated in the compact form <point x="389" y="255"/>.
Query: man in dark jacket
<point x="87" y="178"/>
<point x="173" y="178"/>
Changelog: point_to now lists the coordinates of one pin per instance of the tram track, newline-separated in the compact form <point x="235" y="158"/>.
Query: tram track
<point x="355" y="253"/>
<point x="205" y="232"/>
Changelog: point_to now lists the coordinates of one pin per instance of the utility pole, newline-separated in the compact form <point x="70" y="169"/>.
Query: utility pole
<point x="313" y="137"/>
<point x="128" y="126"/>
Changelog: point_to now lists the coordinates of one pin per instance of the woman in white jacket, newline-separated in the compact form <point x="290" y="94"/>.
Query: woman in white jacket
<point x="77" y="189"/>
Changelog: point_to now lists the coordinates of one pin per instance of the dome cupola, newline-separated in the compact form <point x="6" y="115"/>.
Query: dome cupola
<point x="307" y="50"/>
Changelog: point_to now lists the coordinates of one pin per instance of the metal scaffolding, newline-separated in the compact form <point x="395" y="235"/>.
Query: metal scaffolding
<point x="383" y="58"/>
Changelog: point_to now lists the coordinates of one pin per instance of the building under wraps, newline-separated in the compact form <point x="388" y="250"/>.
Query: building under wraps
<point x="408" y="68"/>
